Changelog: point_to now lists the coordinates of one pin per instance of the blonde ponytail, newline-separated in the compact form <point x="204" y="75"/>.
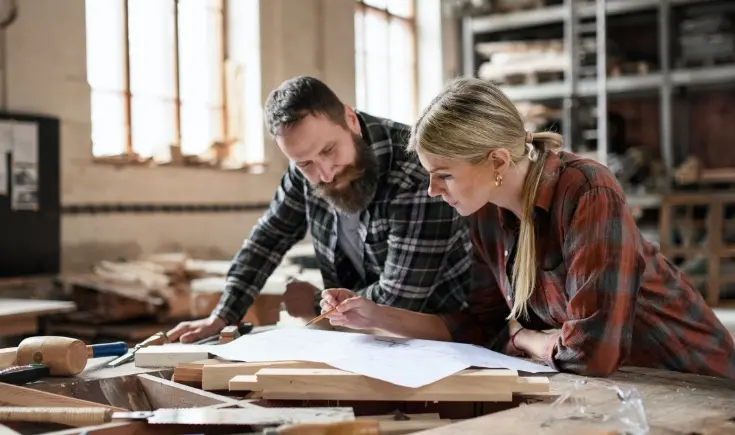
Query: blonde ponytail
<point x="469" y="119"/>
<point x="525" y="265"/>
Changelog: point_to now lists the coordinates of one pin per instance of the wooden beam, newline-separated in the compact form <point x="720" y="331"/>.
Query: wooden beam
<point x="170" y="355"/>
<point x="217" y="377"/>
<point x="332" y="384"/>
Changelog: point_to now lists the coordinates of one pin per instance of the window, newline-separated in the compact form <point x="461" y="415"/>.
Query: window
<point x="162" y="88"/>
<point x="385" y="58"/>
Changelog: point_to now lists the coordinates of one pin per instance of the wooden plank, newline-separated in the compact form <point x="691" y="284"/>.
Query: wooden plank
<point x="163" y="393"/>
<point x="18" y="326"/>
<point x="170" y="355"/>
<point x="7" y="357"/>
<point x="15" y="308"/>
<point x="332" y="384"/>
<point x="14" y="395"/>
<point x="217" y="377"/>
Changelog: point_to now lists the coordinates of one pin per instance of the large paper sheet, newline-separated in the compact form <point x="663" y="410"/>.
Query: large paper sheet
<point x="406" y="362"/>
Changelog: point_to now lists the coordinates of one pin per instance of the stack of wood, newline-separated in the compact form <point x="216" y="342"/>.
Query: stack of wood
<point x="692" y="171"/>
<point x="522" y="62"/>
<point x="295" y="380"/>
<point x="156" y="293"/>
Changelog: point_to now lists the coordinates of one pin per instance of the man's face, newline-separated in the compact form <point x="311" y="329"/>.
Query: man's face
<point x="334" y="158"/>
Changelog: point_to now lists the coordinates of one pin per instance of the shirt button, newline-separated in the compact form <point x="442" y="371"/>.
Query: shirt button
<point x="505" y="253"/>
<point x="509" y="297"/>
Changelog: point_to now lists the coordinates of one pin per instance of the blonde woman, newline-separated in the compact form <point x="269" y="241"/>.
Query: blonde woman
<point x="561" y="271"/>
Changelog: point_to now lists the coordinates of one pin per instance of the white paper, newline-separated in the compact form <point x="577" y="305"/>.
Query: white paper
<point x="6" y="146"/>
<point x="25" y="142"/>
<point x="25" y="186"/>
<point x="406" y="362"/>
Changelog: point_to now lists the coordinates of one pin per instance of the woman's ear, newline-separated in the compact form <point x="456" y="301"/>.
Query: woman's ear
<point x="500" y="160"/>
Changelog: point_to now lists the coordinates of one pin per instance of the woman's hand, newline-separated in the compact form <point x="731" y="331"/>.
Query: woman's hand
<point x="352" y="312"/>
<point x="531" y="343"/>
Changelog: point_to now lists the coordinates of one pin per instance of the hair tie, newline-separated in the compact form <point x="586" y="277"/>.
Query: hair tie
<point x="532" y="150"/>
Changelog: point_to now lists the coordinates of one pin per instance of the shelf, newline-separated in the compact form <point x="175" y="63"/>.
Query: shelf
<point x="585" y="88"/>
<point x="703" y="76"/>
<point x="621" y="85"/>
<point x="543" y="91"/>
<point x="517" y="20"/>
<point x="557" y="14"/>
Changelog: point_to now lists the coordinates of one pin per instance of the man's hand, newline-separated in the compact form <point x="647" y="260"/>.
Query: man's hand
<point x="195" y="330"/>
<point x="352" y="312"/>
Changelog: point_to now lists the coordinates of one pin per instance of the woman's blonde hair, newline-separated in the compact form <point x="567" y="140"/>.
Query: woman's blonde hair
<point x="468" y="120"/>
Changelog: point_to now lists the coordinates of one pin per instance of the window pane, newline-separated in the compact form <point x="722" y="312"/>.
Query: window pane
<point x="152" y="73"/>
<point x="401" y="8"/>
<point x="153" y="127"/>
<point x="200" y="126"/>
<point x="151" y="27"/>
<point x="382" y="4"/>
<point x="360" y="79"/>
<point x="108" y="123"/>
<point x="376" y="63"/>
<point x="105" y="44"/>
<point x="201" y="74"/>
<point x="402" y="80"/>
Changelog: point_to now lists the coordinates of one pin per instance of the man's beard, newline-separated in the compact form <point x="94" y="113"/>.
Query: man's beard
<point x="360" y="181"/>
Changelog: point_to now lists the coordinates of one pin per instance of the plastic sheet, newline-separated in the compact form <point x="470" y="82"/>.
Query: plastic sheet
<point x="626" y="414"/>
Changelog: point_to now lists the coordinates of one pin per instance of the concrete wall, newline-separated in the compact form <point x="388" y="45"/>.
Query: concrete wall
<point x="46" y="74"/>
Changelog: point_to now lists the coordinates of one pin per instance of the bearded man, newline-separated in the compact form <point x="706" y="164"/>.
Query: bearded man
<point x="351" y="184"/>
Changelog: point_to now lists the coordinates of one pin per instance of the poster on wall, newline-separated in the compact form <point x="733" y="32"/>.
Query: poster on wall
<point x="24" y="171"/>
<point x="6" y="146"/>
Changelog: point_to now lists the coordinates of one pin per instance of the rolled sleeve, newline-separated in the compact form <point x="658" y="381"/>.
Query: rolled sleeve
<point x="604" y="272"/>
<point x="282" y="226"/>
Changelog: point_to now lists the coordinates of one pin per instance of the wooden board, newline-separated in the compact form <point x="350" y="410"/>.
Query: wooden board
<point x="217" y="377"/>
<point x="170" y="355"/>
<point x="20" y="316"/>
<point x="331" y="384"/>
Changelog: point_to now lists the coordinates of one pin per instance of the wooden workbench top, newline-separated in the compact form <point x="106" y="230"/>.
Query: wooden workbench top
<point x="674" y="403"/>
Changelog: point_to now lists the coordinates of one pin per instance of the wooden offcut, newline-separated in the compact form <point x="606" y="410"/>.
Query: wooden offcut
<point x="217" y="377"/>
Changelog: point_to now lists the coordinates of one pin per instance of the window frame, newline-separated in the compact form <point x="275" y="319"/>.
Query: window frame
<point x="410" y="22"/>
<point x="228" y="139"/>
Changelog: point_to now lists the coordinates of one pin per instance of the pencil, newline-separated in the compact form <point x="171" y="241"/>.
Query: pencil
<point x="321" y="316"/>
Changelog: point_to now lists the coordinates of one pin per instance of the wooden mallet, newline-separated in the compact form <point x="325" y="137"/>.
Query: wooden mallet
<point x="64" y="356"/>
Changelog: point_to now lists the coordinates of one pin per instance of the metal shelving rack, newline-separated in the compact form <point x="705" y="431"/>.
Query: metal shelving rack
<point x="665" y="81"/>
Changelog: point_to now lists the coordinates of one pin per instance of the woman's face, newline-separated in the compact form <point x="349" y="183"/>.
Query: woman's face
<point x="466" y="187"/>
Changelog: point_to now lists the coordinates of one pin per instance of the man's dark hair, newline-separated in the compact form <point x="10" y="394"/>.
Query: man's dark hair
<point x="299" y="97"/>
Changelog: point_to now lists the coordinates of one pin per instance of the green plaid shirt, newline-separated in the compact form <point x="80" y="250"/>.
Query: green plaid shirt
<point x="416" y="248"/>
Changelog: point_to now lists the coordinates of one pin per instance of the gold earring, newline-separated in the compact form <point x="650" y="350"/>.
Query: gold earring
<point x="498" y="180"/>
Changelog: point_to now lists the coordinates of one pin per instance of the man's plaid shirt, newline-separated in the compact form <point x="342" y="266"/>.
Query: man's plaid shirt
<point x="416" y="248"/>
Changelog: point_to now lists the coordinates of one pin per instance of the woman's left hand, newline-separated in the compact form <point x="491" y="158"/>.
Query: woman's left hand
<point x="532" y="343"/>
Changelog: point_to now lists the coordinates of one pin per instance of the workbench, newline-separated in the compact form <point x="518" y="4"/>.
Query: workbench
<point x="674" y="403"/>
